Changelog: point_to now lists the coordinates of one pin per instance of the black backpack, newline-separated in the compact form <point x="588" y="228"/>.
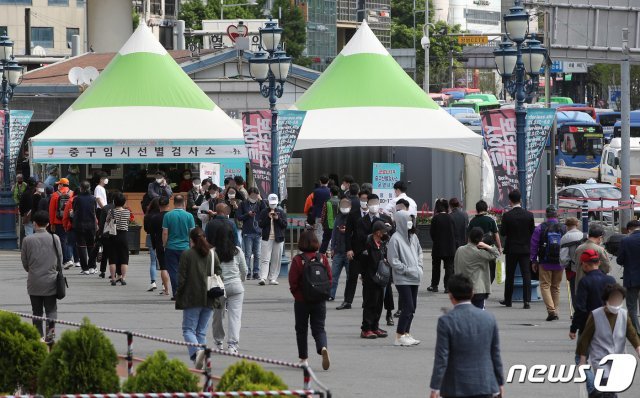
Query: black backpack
<point x="613" y="244"/>
<point x="549" y="248"/>
<point x="316" y="286"/>
<point x="62" y="201"/>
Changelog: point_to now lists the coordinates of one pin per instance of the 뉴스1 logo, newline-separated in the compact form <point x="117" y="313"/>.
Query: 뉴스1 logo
<point x="623" y="370"/>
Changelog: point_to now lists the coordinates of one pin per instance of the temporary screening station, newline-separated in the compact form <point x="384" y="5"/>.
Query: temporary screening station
<point x="366" y="99"/>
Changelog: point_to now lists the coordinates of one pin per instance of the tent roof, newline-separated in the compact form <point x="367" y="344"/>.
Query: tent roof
<point x="365" y="98"/>
<point x="142" y="99"/>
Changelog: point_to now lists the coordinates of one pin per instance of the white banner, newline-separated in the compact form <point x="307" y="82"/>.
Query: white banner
<point x="211" y="171"/>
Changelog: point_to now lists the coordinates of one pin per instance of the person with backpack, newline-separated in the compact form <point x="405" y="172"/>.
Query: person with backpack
<point x="376" y="274"/>
<point x="594" y="241"/>
<point x="545" y="259"/>
<point x="57" y="203"/>
<point x="310" y="285"/>
<point x="568" y="245"/>
<point x="328" y="217"/>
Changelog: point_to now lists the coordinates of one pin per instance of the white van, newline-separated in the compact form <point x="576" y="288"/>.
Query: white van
<point x="609" y="170"/>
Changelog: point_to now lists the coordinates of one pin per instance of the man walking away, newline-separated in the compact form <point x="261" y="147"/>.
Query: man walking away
<point x="588" y="298"/>
<point x="466" y="335"/>
<point x="568" y="246"/>
<point x="176" y="226"/>
<point x="444" y="244"/>
<point x="517" y="226"/>
<point x="460" y="221"/>
<point x="545" y="259"/>
<point x="320" y="196"/>
<point x="338" y="245"/>
<point x="248" y="213"/>
<point x="273" y="223"/>
<point x="629" y="258"/>
<point x="593" y="242"/>
<point x="472" y="260"/>
<point x="56" y="212"/>
<point x="328" y="217"/>
<point x="84" y="225"/>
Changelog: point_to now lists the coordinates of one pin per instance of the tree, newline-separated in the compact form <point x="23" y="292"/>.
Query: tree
<point x="294" y="35"/>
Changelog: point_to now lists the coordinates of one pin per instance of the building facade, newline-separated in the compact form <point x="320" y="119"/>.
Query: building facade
<point x="376" y="12"/>
<point x="53" y="23"/>
<point x="474" y="16"/>
<point x="321" y="17"/>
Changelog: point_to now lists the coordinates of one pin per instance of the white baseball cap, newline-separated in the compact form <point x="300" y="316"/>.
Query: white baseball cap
<point x="273" y="198"/>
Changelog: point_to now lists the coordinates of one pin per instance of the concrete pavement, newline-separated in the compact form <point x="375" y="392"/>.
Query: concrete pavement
<point x="371" y="368"/>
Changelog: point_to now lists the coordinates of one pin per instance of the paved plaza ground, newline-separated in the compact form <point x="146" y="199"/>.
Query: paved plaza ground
<point x="360" y="368"/>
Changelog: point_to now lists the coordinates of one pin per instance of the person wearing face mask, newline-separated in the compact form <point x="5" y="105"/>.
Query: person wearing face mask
<point x="593" y="242"/>
<point x="195" y="197"/>
<point x="100" y="194"/>
<point x="240" y="186"/>
<point x="233" y="199"/>
<point x="372" y="292"/>
<point x="405" y="257"/>
<point x="186" y="183"/>
<point x="159" y="187"/>
<point x="345" y="187"/>
<point x="251" y="232"/>
<point x="273" y="223"/>
<point x="328" y="217"/>
<point x="207" y="209"/>
<point x="338" y="245"/>
<point x="606" y="332"/>
<point x="588" y="298"/>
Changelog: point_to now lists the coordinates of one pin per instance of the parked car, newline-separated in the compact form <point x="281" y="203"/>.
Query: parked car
<point x="599" y="196"/>
<point x="468" y="117"/>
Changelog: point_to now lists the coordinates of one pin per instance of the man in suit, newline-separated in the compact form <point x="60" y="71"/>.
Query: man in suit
<point x="517" y="226"/>
<point x="466" y="335"/>
<point x="628" y="256"/>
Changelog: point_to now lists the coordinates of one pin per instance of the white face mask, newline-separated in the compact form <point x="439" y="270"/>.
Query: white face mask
<point x="273" y="205"/>
<point x="614" y="309"/>
<point x="409" y="224"/>
<point x="232" y="196"/>
<point x="106" y="181"/>
<point x="41" y="190"/>
<point x="159" y="180"/>
<point x="345" y="210"/>
<point x="253" y="200"/>
<point x="344" y="187"/>
<point x="373" y="209"/>
<point x="363" y="204"/>
<point x="214" y="195"/>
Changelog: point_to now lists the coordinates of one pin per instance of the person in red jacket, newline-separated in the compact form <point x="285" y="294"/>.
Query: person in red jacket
<point x="308" y="313"/>
<point x="56" y="213"/>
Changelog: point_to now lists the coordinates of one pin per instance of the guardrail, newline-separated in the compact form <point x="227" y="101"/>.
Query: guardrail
<point x="308" y="374"/>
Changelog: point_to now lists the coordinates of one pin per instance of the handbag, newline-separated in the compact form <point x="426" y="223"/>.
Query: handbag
<point x="61" y="280"/>
<point x="383" y="273"/>
<point x="501" y="273"/>
<point x="215" y="285"/>
<point x="110" y="224"/>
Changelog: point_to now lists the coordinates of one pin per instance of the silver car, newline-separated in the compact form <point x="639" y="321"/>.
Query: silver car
<point x="600" y="197"/>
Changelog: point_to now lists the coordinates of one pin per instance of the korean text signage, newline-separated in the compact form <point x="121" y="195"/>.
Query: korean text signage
<point x="18" y="124"/>
<point x="500" y="142"/>
<point x="257" y="138"/>
<point x="289" y="124"/>
<point x="384" y="176"/>
<point x="537" y="128"/>
<point x="470" y="40"/>
<point x="210" y="171"/>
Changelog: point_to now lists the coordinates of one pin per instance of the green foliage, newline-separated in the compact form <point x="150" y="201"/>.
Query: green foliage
<point x="295" y="29"/>
<point x="249" y="376"/>
<point x="135" y="19"/>
<point x="21" y="354"/>
<point x="158" y="374"/>
<point x="83" y="361"/>
<point x="601" y="76"/>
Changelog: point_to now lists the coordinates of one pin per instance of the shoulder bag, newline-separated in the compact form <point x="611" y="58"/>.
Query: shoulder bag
<point x="61" y="280"/>
<point x="110" y="224"/>
<point x="383" y="272"/>
<point x="215" y="285"/>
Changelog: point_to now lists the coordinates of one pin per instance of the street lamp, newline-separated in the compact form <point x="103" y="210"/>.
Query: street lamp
<point x="11" y="77"/>
<point x="270" y="66"/>
<point x="525" y="54"/>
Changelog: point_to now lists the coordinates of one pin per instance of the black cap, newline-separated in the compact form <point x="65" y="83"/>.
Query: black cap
<point x="379" y="226"/>
<point x="551" y="211"/>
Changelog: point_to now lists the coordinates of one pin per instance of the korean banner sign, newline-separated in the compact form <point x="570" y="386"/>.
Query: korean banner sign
<point x="19" y="122"/>
<point x="257" y="139"/>
<point x="537" y="128"/>
<point x="289" y="125"/>
<point x="500" y="142"/>
<point x="384" y="176"/>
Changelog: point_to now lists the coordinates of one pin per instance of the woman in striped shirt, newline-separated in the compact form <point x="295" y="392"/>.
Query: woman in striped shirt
<point x="119" y="247"/>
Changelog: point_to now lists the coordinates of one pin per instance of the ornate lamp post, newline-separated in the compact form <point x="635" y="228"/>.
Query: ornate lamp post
<point x="270" y="67"/>
<point x="524" y="53"/>
<point x="11" y="77"/>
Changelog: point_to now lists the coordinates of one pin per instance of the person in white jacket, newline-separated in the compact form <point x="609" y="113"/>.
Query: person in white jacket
<point x="400" y="189"/>
<point x="405" y="257"/>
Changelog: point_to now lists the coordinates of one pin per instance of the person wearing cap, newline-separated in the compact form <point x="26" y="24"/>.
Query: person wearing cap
<point x="588" y="298"/>
<point x="629" y="258"/>
<point x="544" y="262"/>
<point x="595" y="238"/>
<point x="273" y="223"/>
<point x="19" y="188"/>
<point x="373" y="293"/>
<point x="55" y="219"/>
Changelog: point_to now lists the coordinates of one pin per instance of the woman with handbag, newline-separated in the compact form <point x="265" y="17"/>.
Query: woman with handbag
<point x="41" y="254"/>
<point x="234" y="271"/>
<point x="405" y="257"/>
<point x="192" y="294"/>
<point x="118" y="221"/>
<point x="376" y="274"/>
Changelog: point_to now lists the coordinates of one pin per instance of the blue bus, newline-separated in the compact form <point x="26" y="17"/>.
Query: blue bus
<point x="607" y="120"/>
<point x="579" y="145"/>
<point x="635" y="125"/>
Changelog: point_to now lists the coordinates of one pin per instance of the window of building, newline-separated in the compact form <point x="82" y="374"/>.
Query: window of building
<point x="70" y="33"/>
<point x="64" y="3"/>
<point x="81" y="3"/>
<point x="3" y="31"/>
<point x="169" y="8"/>
<point x="166" y="37"/>
<point x="41" y="36"/>
<point x="19" y="2"/>
<point x="482" y="17"/>
<point x="156" y="7"/>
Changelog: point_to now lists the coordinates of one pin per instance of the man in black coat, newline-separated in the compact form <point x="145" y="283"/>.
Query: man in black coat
<point x="517" y="226"/>
<point x="460" y="221"/>
<point x="444" y="245"/>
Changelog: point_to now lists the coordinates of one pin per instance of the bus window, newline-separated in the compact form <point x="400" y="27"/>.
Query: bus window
<point x="488" y="107"/>
<point x="582" y="144"/>
<point x="635" y="132"/>
<point x="568" y="144"/>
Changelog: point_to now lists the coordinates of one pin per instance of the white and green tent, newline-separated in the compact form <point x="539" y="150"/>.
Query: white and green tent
<point x="141" y="109"/>
<point x="365" y="98"/>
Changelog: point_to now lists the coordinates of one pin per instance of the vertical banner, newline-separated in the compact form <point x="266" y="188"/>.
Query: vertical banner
<point x="257" y="138"/>
<point x="18" y="124"/>
<point x="210" y="171"/>
<point x="384" y="176"/>
<point x="500" y="142"/>
<point x="539" y="122"/>
<point x="289" y="124"/>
